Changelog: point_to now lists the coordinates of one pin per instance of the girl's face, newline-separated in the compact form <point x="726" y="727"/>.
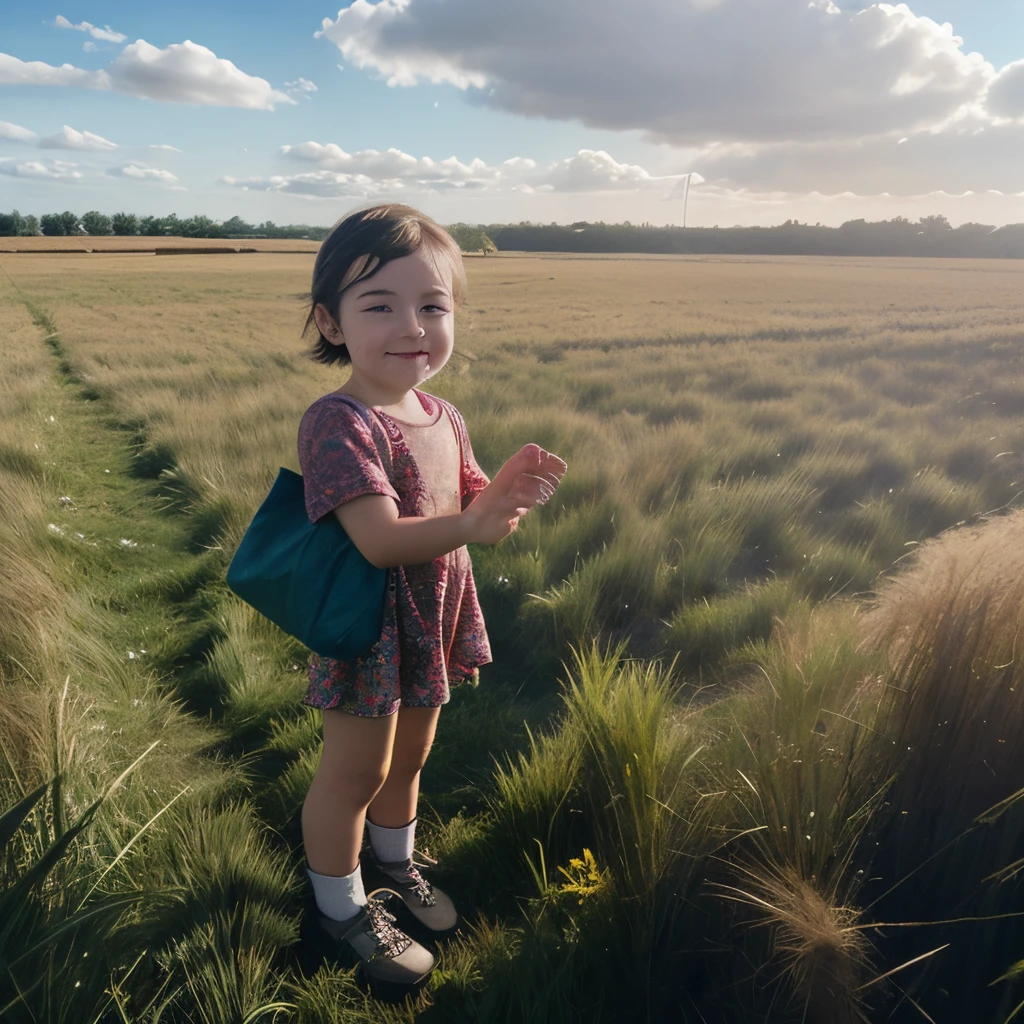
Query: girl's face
<point x="398" y="325"/>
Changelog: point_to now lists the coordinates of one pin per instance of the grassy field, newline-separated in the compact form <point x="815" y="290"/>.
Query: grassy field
<point x="732" y="665"/>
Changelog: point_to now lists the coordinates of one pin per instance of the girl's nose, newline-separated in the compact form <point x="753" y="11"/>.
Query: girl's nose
<point x="412" y="327"/>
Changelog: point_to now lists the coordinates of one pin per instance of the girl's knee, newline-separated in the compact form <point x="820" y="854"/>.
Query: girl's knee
<point x="408" y="763"/>
<point x="353" y="785"/>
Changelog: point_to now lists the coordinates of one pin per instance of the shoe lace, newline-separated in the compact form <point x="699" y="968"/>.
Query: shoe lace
<point x="420" y="886"/>
<point x="390" y="941"/>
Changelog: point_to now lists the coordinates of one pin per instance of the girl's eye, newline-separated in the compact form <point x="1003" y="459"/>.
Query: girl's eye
<point x="429" y="309"/>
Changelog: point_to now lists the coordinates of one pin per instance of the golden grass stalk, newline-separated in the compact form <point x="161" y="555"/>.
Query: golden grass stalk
<point x="822" y="956"/>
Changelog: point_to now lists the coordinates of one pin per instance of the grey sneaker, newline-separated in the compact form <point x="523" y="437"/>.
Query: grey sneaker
<point x="387" y="954"/>
<point x="432" y="908"/>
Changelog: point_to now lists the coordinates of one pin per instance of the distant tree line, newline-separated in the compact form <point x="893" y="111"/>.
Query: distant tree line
<point x="929" y="236"/>
<point x="125" y="224"/>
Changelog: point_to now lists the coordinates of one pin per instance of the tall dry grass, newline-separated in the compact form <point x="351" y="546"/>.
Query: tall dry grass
<point x="948" y="725"/>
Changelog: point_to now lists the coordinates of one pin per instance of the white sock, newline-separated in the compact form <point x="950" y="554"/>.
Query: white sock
<point x="338" y="898"/>
<point x="392" y="845"/>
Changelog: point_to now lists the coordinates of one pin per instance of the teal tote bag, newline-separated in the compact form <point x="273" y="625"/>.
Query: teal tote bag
<point x="309" y="578"/>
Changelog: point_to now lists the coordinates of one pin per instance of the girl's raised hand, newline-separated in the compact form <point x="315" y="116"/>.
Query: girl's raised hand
<point x="529" y="478"/>
<point x="536" y="485"/>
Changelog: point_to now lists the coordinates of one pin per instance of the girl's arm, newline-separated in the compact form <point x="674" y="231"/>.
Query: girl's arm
<point x="385" y="540"/>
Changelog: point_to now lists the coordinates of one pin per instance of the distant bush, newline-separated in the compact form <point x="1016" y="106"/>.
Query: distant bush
<point x="96" y="223"/>
<point x="471" y="238"/>
<point x="11" y="223"/>
<point x="125" y="224"/>
<point x="65" y="223"/>
<point x="51" y="224"/>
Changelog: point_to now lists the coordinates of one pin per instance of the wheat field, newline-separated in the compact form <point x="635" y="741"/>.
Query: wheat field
<point x="751" y="735"/>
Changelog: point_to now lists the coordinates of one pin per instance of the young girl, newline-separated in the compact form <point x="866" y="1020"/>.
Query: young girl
<point x="395" y="466"/>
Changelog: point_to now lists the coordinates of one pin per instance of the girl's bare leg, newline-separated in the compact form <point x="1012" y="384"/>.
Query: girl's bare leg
<point x="394" y="805"/>
<point x="354" y="764"/>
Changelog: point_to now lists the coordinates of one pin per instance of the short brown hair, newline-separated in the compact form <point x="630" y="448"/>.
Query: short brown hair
<point x="359" y="245"/>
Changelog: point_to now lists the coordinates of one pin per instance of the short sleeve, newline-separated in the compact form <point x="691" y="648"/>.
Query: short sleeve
<point x="338" y="457"/>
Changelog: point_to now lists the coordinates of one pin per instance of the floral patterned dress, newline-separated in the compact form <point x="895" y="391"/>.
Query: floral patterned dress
<point x="433" y="633"/>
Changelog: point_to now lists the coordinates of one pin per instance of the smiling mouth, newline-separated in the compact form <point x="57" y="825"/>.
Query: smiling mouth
<point x="409" y="355"/>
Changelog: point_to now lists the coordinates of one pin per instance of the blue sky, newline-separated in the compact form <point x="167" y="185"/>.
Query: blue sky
<point x="584" y="109"/>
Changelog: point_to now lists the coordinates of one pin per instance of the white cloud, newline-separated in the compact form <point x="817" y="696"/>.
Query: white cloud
<point x="392" y="164"/>
<point x="140" y="172"/>
<point x="595" y="171"/>
<point x="1006" y="93"/>
<point x="587" y="171"/>
<point x="55" y="170"/>
<point x="181" y="73"/>
<point x="316" y="185"/>
<point x="371" y="172"/>
<point x="685" y="73"/>
<point x="164" y="146"/>
<point x="301" y="85"/>
<point x="89" y="46"/>
<point x="358" y="33"/>
<point x="107" y="34"/>
<point x="68" y="138"/>
<point x="189" y="73"/>
<point x="15" y="133"/>
<point x="35" y="72"/>
<point x="368" y="174"/>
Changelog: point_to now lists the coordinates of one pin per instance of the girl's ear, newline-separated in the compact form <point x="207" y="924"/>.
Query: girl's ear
<point x="327" y="325"/>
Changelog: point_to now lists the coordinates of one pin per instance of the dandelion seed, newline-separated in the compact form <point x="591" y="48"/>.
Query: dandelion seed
<point x="65" y="500"/>
<point x="106" y="471"/>
<point x="53" y="420"/>
<point x="78" y="984"/>
<point x="54" y="528"/>
<point x="812" y="814"/>
<point x="80" y="536"/>
<point x="125" y="543"/>
<point x="131" y="655"/>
